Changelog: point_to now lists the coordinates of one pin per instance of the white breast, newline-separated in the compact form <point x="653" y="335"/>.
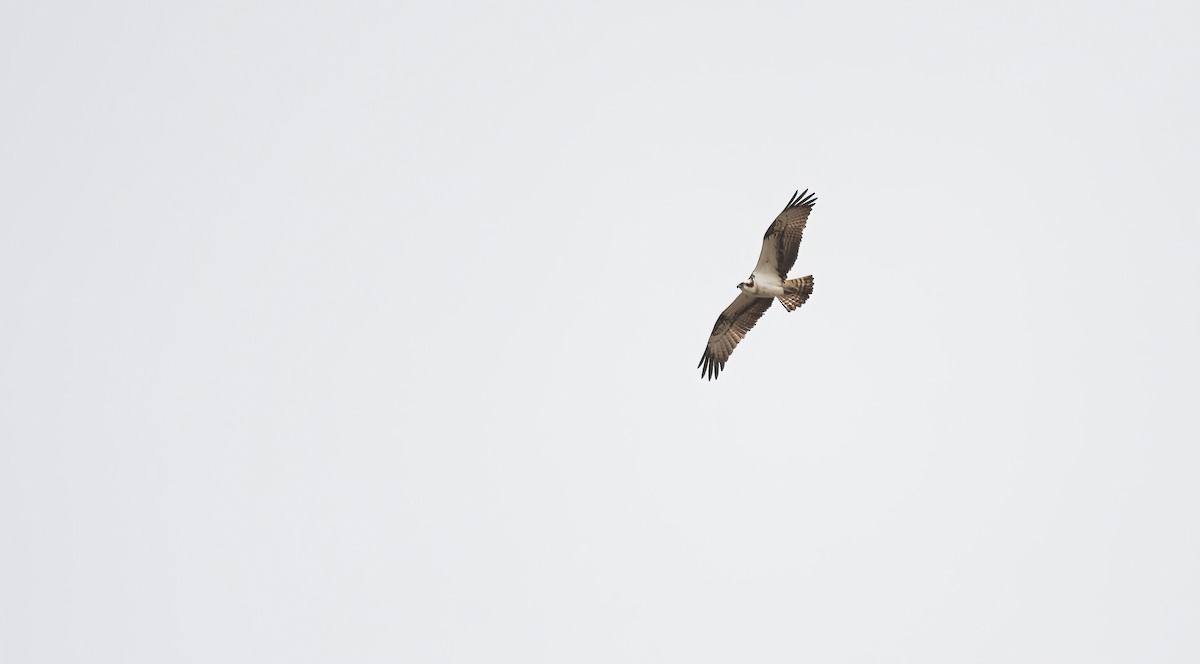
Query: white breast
<point x="767" y="285"/>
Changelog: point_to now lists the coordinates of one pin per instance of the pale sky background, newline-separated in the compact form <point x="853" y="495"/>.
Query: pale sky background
<point x="367" y="332"/>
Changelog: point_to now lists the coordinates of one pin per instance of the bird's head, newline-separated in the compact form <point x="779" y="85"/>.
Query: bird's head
<point x="747" y="285"/>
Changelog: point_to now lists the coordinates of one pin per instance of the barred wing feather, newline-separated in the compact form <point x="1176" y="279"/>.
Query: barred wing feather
<point x="781" y="243"/>
<point x="731" y="327"/>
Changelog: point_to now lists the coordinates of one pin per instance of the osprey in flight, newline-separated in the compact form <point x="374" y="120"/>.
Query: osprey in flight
<point x="767" y="282"/>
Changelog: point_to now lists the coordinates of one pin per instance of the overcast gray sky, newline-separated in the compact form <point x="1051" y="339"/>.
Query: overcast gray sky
<point x="367" y="332"/>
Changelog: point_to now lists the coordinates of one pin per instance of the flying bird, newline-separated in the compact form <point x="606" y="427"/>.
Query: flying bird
<point x="768" y="281"/>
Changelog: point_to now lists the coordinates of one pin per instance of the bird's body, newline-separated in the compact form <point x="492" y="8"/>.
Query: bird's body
<point x="765" y="285"/>
<point x="769" y="281"/>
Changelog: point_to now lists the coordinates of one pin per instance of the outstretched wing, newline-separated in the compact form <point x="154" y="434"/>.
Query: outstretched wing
<point x="782" y="240"/>
<point x="732" y="326"/>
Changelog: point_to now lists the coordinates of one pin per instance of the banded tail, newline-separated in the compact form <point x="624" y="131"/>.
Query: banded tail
<point x="796" y="292"/>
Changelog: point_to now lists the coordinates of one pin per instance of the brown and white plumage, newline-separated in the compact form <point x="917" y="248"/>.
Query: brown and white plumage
<point x="781" y="243"/>
<point x="732" y="326"/>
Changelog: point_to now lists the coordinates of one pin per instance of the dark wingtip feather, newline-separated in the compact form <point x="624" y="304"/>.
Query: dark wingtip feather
<point x="806" y="199"/>
<point x="801" y="198"/>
